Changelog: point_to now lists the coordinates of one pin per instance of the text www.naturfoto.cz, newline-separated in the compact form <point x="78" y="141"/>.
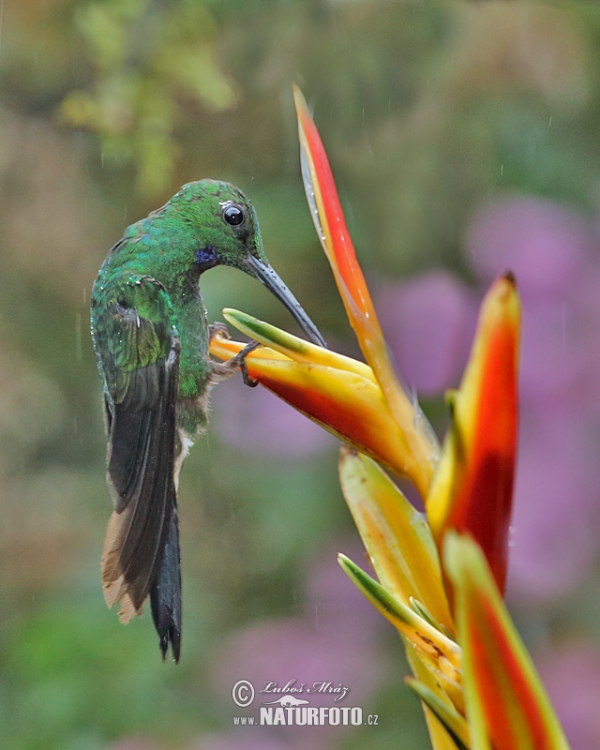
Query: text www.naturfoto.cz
<point x="301" y="716"/>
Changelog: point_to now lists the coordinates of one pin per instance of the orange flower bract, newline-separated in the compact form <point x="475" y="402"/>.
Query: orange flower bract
<point x="473" y="486"/>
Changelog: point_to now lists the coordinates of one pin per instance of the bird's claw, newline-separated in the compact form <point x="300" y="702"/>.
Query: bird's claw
<point x="240" y="361"/>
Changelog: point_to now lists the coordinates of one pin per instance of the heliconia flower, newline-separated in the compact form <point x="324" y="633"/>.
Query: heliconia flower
<point x="440" y="574"/>
<point x="473" y="486"/>
<point x="507" y="707"/>
<point x="398" y="540"/>
<point x="337" y="392"/>
<point x="331" y="228"/>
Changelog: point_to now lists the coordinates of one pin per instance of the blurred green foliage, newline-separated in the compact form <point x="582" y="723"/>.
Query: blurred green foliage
<point x="147" y="59"/>
<point x="106" y="108"/>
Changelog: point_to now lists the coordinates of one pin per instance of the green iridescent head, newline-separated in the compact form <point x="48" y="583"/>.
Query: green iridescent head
<point x="220" y="227"/>
<point x="223" y="222"/>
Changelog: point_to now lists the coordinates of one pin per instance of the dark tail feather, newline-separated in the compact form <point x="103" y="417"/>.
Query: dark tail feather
<point x="165" y="594"/>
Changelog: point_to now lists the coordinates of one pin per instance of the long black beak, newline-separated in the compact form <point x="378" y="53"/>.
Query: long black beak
<point x="264" y="273"/>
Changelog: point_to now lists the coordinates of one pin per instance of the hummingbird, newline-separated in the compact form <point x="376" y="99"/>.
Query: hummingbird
<point x="151" y="337"/>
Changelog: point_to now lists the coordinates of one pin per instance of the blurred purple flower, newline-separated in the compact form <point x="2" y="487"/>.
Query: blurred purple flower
<point x="429" y="323"/>
<point x="544" y="243"/>
<point x="258" y="422"/>
<point x="552" y="251"/>
<point x="554" y="539"/>
<point x="571" y="674"/>
<point x="555" y="358"/>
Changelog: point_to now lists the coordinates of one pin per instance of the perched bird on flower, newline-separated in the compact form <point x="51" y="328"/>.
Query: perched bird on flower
<point x="151" y="336"/>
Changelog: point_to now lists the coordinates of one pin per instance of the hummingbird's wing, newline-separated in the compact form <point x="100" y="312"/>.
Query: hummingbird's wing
<point x="138" y="348"/>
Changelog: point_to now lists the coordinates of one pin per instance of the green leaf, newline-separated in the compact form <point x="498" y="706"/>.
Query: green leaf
<point x="453" y="722"/>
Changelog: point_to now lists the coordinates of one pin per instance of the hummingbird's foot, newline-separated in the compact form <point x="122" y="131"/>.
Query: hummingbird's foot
<point x="240" y="361"/>
<point x="224" y="370"/>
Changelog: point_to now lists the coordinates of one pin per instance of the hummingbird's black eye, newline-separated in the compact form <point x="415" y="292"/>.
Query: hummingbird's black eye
<point x="233" y="215"/>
